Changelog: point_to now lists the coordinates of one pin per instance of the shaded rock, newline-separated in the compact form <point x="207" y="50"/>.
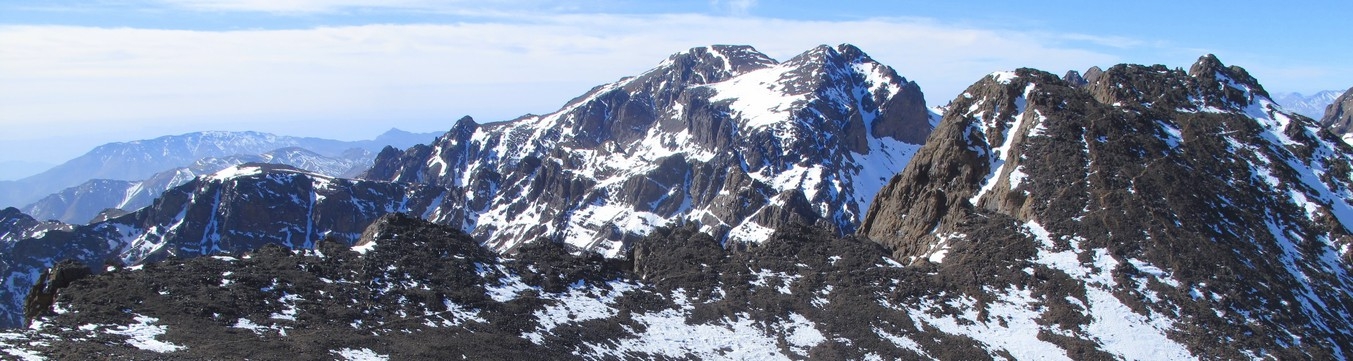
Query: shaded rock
<point x="39" y="300"/>
<point x="1339" y="114"/>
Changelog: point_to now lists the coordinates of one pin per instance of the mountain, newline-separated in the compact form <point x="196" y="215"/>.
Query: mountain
<point x="1153" y="214"/>
<point x="15" y="226"/>
<point x="82" y="203"/>
<point x="723" y="136"/>
<point x="696" y="139"/>
<point x="234" y="210"/>
<point x="1312" y="106"/>
<point x="396" y="138"/>
<point x="1339" y="115"/>
<point x="1148" y="213"/>
<point x="136" y="160"/>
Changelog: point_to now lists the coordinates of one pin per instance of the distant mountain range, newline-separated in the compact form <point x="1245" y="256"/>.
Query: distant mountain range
<point x="1312" y="106"/>
<point x="82" y="203"/>
<point x="142" y="159"/>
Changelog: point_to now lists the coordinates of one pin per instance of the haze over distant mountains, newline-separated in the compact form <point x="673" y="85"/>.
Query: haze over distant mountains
<point x="16" y="169"/>
<point x="141" y="159"/>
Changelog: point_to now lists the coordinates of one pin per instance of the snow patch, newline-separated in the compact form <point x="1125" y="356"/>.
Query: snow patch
<point x="361" y="354"/>
<point x="143" y="334"/>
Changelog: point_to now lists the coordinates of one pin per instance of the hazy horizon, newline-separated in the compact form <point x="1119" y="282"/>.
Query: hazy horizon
<point x="77" y="75"/>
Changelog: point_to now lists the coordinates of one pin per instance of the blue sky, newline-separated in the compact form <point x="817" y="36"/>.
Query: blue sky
<point x="75" y="74"/>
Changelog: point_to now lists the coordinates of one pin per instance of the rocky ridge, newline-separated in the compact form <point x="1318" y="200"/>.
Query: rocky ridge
<point x="1189" y="198"/>
<point x="722" y="136"/>
<point x="413" y="290"/>
<point x="238" y="209"/>
<point x="82" y="203"/>
<point x="136" y="160"/>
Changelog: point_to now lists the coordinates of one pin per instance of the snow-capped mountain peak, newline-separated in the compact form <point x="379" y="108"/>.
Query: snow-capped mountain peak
<point x="722" y="135"/>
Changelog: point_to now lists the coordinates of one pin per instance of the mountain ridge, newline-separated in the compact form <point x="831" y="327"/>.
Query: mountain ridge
<point x="706" y="130"/>
<point x="237" y="209"/>
<point x="1157" y="190"/>
<point x="80" y="204"/>
<point x="1312" y="106"/>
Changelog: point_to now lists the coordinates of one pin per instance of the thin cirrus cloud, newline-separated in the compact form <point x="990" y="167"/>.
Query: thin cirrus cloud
<point x="299" y="6"/>
<point x="352" y="82"/>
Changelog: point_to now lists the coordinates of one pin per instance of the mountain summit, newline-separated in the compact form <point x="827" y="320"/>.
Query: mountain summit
<point x="722" y="136"/>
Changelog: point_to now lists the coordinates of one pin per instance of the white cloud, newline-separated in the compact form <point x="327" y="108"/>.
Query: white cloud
<point x="301" y="6"/>
<point x="734" y="7"/>
<point x="355" y="81"/>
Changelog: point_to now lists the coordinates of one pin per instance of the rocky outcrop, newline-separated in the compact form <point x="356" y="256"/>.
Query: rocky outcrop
<point x="1074" y="78"/>
<point x="39" y="300"/>
<point x="722" y="136"/>
<point x="1092" y="75"/>
<point x="1339" y="114"/>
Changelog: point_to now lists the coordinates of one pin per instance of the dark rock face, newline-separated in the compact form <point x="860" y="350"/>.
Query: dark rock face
<point x="39" y="300"/>
<point x="1074" y="78"/>
<point x="723" y="136"/>
<point x="1186" y="198"/>
<point x="1339" y="114"/>
<point x="239" y="209"/>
